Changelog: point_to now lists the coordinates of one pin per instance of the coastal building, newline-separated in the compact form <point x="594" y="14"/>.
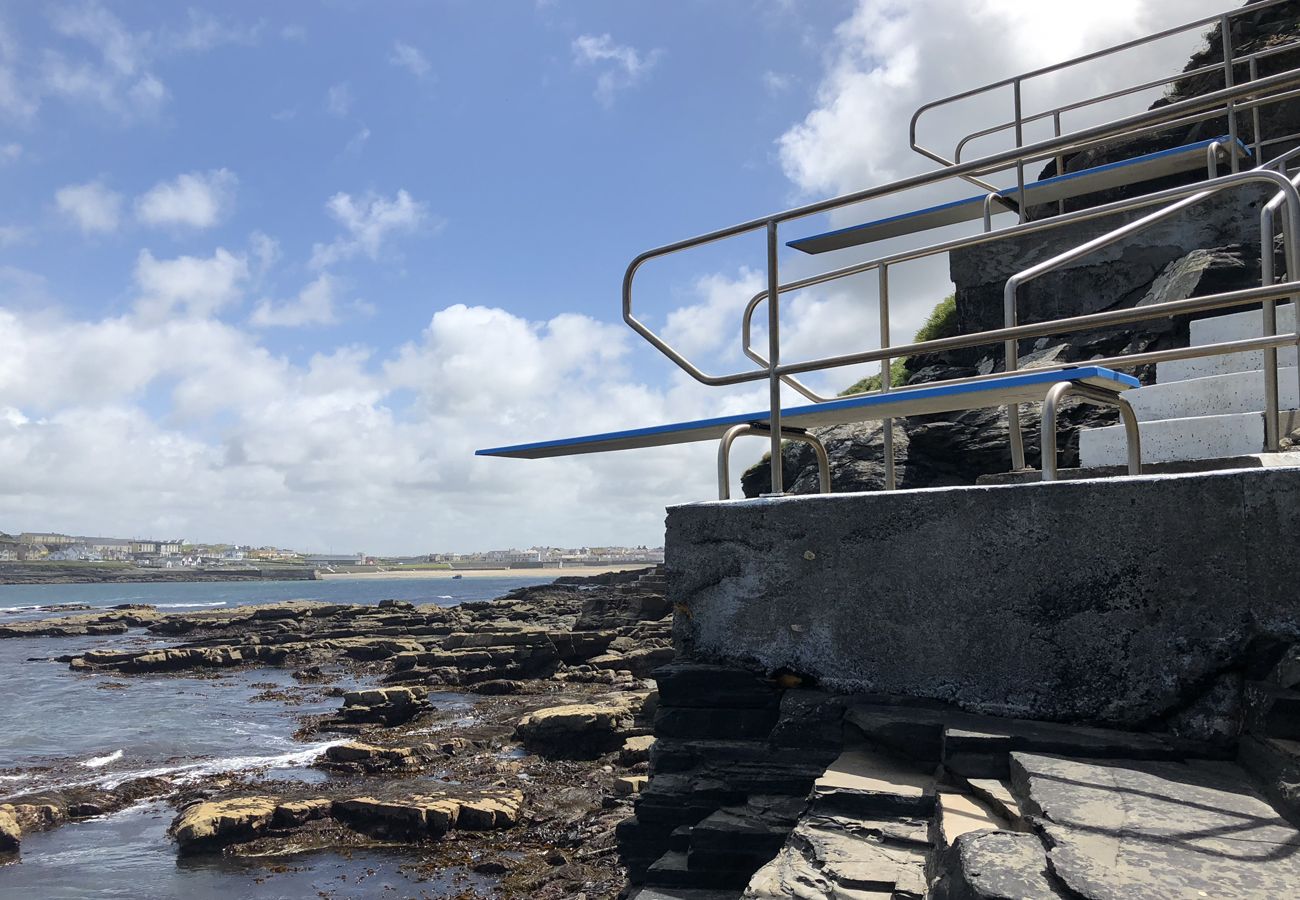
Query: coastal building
<point x="334" y="559"/>
<point x="47" y="539"/>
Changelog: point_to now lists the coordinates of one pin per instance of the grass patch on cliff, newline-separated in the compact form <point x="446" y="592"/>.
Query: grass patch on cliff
<point x="941" y="323"/>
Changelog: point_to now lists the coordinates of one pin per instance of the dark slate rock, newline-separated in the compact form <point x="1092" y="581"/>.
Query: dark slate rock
<point x="718" y="723"/>
<point x="691" y="683"/>
<point x="810" y="719"/>
<point x="1275" y="764"/>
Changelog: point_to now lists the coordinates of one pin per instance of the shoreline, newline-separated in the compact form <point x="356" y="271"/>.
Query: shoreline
<point x="545" y="572"/>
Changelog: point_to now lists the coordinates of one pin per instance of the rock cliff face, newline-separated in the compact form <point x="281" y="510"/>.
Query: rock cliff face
<point x="1212" y="248"/>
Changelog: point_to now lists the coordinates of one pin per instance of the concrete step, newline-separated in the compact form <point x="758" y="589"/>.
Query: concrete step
<point x="1169" y="440"/>
<point x="1212" y="395"/>
<point x="1238" y="326"/>
<point x="1183" y="369"/>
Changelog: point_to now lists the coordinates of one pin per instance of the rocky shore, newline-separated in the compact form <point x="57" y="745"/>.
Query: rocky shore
<point x="523" y="782"/>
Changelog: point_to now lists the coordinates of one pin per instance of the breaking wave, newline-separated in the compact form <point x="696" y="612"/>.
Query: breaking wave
<point x="96" y="762"/>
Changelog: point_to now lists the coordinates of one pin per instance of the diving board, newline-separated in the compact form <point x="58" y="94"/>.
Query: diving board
<point x="1150" y="166"/>
<point x="1020" y="387"/>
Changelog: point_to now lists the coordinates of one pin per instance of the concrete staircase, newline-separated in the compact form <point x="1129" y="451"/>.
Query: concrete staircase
<point x="1207" y="408"/>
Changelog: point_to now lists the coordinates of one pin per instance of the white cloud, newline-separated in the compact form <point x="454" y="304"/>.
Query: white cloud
<point x="338" y="99"/>
<point x="192" y="200"/>
<point x="119" y="81"/>
<point x="357" y="142"/>
<point x="314" y="305"/>
<point x="12" y="234"/>
<point x="406" y="57"/>
<point x="266" y="250"/>
<point x="190" y="285"/>
<point x="204" y="31"/>
<point x="620" y="66"/>
<point x="369" y="222"/>
<point x="333" y="451"/>
<point x="890" y="56"/>
<point x="713" y="322"/>
<point x="17" y="101"/>
<point x="777" y="83"/>
<point x="94" y="207"/>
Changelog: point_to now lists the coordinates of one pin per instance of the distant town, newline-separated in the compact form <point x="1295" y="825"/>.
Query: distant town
<point x="173" y="553"/>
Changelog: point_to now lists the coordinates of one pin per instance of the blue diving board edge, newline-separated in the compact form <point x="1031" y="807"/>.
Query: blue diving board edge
<point x="811" y="243"/>
<point x="921" y="400"/>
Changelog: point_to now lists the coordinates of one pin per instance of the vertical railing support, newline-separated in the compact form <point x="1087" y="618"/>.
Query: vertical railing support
<point x="1060" y="159"/>
<point x="886" y="378"/>
<point x="1011" y="351"/>
<point x="1020" y="142"/>
<point x="1255" y="119"/>
<point x="1229" y="80"/>
<point x="774" y="356"/>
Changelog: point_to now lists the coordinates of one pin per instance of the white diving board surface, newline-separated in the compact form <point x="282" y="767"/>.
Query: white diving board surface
<point x="1022" y="387"/>
<point x="1173" y="161"/>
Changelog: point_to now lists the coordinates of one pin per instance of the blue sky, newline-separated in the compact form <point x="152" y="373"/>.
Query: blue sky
<point x="535" y="184"/>
<point x="271" y="272"/>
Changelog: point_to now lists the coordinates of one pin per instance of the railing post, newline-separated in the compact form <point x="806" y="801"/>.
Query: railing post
<point x="1225" y="27"/>
<point x="886" y="378"/>
<point x="1060" y="159"/>
<point x="1255" y="118"/>
<point x="1011" y="351"/>
<point x="774" y="355"/>
<point x="1020" y="141"/>
<point x="1272" y="436"/>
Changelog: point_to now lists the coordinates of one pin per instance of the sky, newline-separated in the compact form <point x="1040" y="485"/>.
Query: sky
<point x="270" y="273"/>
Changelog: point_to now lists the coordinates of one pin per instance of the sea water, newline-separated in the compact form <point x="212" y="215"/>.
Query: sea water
<point x="59" y="727"/>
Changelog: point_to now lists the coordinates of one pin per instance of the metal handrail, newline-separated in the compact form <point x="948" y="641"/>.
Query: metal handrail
<point x="881" y="263"/>
<point x="1055" y="112"/>
<point x="1016" y="82"/>
<point x="1291" y="234"/>
<point x="1012" y="334"/>
<point x="1251" y="94"/>
<point x="995" y="162"/>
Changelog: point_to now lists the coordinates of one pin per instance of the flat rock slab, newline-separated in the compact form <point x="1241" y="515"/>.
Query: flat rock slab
<point x="967" y="742"/>
<point x="958" y="814"/>
<point x="998" y="865"/>
<point x="1128" y="828"/>
<point x="997" y="794"/>
<point x="820" y="862"/>
<point x="865" y="782"/>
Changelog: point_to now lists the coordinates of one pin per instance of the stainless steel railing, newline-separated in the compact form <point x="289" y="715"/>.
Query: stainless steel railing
<point x="1225" y="67"/>
<point x="1291" y="234"/>
<point x="1249" y="95"/>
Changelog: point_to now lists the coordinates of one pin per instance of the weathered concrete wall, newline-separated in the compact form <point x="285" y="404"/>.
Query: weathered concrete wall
<point x="1111" y="601"/>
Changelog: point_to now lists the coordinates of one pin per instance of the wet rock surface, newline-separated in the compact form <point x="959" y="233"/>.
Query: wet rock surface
<point x="409" y="764"/>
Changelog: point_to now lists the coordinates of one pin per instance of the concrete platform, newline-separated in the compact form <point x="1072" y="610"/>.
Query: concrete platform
<point x="1176" y="467"/>
<point x="1110" y="600"/>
